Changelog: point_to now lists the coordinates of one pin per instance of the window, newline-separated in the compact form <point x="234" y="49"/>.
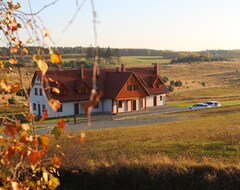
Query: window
<point x="135" y="87"/>
<point x="157" y="85"/>
<point x="40" y="92"/>
<point x="129" y="87"/>
<point x="34" y="106"/>
<point x="120" y="103"/>
<point x="160" y="98"/>
<point x="36" y="91"/>
<point x="60" y="109"/>
<point x="43" y="108"/>
<point x="82" y="90"/>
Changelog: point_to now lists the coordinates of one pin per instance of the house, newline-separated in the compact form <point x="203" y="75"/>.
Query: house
<point x="124" y="90"/>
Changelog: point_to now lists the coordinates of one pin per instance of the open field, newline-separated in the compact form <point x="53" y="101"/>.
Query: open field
<point x="207" y="145"/>
<point x="143" y="60"/>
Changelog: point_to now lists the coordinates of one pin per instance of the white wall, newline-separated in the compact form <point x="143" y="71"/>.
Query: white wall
<point x="150" y="101"/>
<point x="107" y="105"/>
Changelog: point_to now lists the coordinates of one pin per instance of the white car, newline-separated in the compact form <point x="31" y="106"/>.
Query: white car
<point x="213" y="104"/>
<point x="199" y="106"/>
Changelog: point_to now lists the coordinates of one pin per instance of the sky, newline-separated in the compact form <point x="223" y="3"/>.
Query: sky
<point x="180" y="25"/>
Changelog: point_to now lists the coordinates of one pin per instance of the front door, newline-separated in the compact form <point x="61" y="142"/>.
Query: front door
<point x="39" y="110"/>
<point x="155" y="101"/>
<point x="134" y="105"/>
<point x="76" y="109"/>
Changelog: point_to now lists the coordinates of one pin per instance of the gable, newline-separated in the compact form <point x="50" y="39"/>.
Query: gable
<point x="132" y="88"/>
<point x="83" y="88"/>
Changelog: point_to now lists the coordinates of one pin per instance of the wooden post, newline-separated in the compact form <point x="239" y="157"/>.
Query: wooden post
<point x="117" y="106"/>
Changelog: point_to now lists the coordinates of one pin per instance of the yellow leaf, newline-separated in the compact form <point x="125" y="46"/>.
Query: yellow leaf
<point x="44" y="116"/>
<point x="29" y="41"/>
<point x="54" y="104"/>
<point x="55" y="90"/>
<point x="56" y="58"/>
<point x="46" y="33"/>
<point x="1" y="64"/>
<point x="13" y="61"/>
<point x="42" y="65"/>
<point x="25" y="50"/>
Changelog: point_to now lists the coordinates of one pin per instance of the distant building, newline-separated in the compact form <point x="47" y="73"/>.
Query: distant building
<point x="124" y="90"/>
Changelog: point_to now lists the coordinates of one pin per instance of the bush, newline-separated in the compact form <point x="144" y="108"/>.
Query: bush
<point x="172" y="82"/>
<point x="12" y="100"/>
<point x="171" y="88"/>
<point x="203" y="84"/>
<point x="178" y="83"/>
<point x="165" y="79"/>
<point x="20" y="92"/>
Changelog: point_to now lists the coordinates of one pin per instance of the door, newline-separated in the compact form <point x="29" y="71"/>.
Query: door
<point x="76" y="109"/>
<point x="155" y="101"/>
<point x="39" y="110"/>
<point x="134" y="105"/>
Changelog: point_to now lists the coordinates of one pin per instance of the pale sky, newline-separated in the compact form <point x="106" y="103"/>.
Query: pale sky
<point x="154" y="24"/>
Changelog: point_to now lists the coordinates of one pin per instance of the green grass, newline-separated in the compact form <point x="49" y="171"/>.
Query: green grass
<point x="212" y="133"/>
<point x="143" y="60"/>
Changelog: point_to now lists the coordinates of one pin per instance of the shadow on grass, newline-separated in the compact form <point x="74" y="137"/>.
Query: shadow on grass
<point x="200" y="177"/>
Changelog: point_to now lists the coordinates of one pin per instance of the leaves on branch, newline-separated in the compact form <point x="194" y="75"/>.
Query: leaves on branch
<point x="13" y="61"/>
<point x="42" y="65"/>
<point x="54" y="104"/>
<point x="56" y="132"/>
<point x="44" y="141"/>
<point x="61" y="124"/>
<point x="34" y="156"/>
<point x="11" y="130"/>
<point x="44" y="116"/>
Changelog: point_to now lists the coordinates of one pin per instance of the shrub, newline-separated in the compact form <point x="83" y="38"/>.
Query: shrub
<point x="12" y="100"/>
<point x="171" y="88"/>
<point x="203" y="84"/>
<point x="172" y="82"/>
<point x="165" y="79"/>
<point x="20" y="92"/>
<point x="178" y="83"/>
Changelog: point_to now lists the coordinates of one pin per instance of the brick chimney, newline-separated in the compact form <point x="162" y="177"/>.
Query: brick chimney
<point x="156" y="69"/>
<point x="81" y="72"/>
<point x="122" y="68"/>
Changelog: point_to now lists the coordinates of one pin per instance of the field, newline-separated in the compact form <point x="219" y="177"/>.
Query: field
<point x="143" y="60"/>
<point x="206" y="140"/>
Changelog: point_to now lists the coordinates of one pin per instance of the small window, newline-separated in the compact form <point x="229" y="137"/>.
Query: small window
<point x="135" y="87"/>
<point x="43" y="108"/>
<point x="129" y="87"/>
<point x="82" y="90"/>
<point x="60" y="109"/>
<point x="34" y="106"/>
<point x="120" y="103"/>
<point x="36" y="91"/>
<point x="40" y="92"/>
<point x="157" y="85"/>
<point x="160" y="98"/>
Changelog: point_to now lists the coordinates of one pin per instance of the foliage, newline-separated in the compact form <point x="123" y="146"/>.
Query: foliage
<point x="171" y="88"/>
<point x="172" y="82"/>
<point x="12" y="100"/>
<point x="165" y="79"/>
<point x="178" y="83"/>
<point x="21" y="92"/>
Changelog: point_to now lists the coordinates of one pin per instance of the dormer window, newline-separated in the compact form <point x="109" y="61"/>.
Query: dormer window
<point x="82" y="90"/>
<point x="135" y="87"/>
<point x="129" y="87"/>
<point x="157" y="85"/>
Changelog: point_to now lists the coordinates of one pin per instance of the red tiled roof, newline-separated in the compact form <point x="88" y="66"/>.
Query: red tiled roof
<point x="108" y="80"/>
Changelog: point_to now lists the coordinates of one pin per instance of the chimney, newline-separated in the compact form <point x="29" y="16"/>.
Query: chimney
<point x="155" y="68"/>
<point x="117" y="70"/>
<point x="122" y="68"/>
<point x="81" y="72"/>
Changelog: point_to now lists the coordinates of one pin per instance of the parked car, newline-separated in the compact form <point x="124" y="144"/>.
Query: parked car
<point x="199" y="106"/>
<point x="213" y="104"/>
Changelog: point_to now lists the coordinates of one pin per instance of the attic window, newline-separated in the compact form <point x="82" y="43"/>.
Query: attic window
<point x="157" y="85"/>
<point x="129" y="87"/>
<point x="82" y="90"/>
<point x="135" y="87"/>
